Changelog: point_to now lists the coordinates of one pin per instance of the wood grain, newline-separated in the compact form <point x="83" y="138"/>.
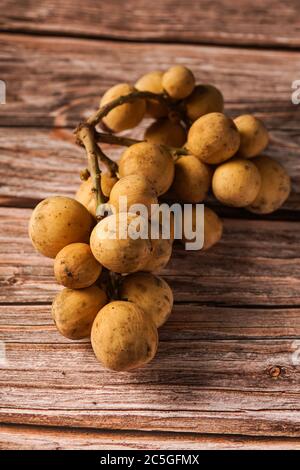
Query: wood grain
<point x="193" y="384"/>
<point x="256" y="263"/>
<point x="244" y="422"/>
<point x="267" y="23"/>
<point x="33" y="323"/>
<point x="230" y="365"/>
<point x="58" y="81"/>
<point x="35" y="438"/>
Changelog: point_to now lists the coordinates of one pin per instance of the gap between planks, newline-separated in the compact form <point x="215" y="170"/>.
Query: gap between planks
<point x="200" y="22"/>
<point x="251" y="46"/>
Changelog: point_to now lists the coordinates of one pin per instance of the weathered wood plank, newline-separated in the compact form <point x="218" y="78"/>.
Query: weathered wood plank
<point x="36" y="163"/>
<point x="164" y="400"/>
<point x="245" y="365"/>
<point x="59" y="81"/>
<point x="33" y="323"/>
<point x="55" y="387"/>
<point x="256" y="263"/>
<point x="36" y="438"/>
<point x="270" y="422"/>
<point x="270" y="22"/>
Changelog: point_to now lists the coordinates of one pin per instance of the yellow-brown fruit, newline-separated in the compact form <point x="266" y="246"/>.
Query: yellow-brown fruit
<point x="125" y="116"/>
<point x="213" y="228"/>
<point x="107" y="183"/>
<point x="160" y="255"/>
<point x="86" y="196"/>
<point x="236" y="183"/>
<point x="275" y="186"/>
<point x="254" y="135"/>
<point x="74" y="311"/>
<point x="166" y="132"/>
<point x="178" y="81"/>
<point x="151" y="293"/>
<point x="152" y="161"/>
<point x="137" y="189"/>
<point x="213" y="138"/>
<point x="192" y="179"/>
<point x="120" y="255"/>
<point x="204" y="99"/>
<point x="123" y="337"/>
<point x="152" y="81"/>
<point x="75" y="266"/>
<point x="56" y="222"/>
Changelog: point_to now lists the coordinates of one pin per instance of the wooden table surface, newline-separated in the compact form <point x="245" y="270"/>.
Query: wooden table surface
<point x="227" y="373"/>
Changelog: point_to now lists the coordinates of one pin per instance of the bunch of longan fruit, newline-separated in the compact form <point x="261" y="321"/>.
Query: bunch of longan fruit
<point x="191" y="148"/>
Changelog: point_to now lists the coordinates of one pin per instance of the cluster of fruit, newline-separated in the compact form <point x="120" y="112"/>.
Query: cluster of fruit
<point x="192" y="147"/>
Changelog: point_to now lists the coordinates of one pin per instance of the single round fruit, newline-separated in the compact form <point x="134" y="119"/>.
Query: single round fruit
<point x="160" y="255"/>
<point x="213" y="138"/>
<point x="137" y="189"/>
<point x="192" y="179"/>
<point x="149" y="292"/>
<point x="125" y="116"/>
<point x="123" y="337"/>
<point x="236" y="183"/>
<point x="152" y="161"/>
<point x="254" y="135"/>
<point x="166" y="132"/>
<point x="75" y="266"/>
<point x="107" y="183"/>
<point x="115" y="249"/>
<point x="275" y="186"/>
<point x="204" y="99"/>
<point x="152" y="81"/>
<point x="56" y="222"/>
<point x="86" y="196"/>
<point x="178" y="81"/>
<point x="74" y="311"/>
<point x="213" y="228"/>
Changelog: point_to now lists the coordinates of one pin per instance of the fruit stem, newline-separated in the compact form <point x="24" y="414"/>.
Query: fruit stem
<point x="85" y="135"/>
<point x="115" y="139"/>
<point x="110" y="164"/>
<point x="127" y="142"/>
<point x="135" y="95"/>
<point x="178" y="152"/>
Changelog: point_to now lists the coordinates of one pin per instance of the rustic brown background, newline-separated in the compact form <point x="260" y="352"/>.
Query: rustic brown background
<point x="223" y="376"/>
